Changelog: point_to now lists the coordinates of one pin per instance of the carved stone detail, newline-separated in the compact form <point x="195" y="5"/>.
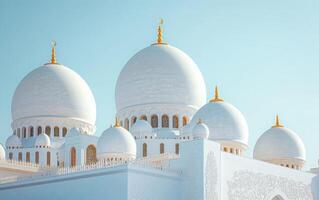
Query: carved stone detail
<point x="252" y="185"/>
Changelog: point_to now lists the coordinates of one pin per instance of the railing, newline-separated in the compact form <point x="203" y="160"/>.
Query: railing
<point x="18" y="164"/>
<point x="159" y="162"/>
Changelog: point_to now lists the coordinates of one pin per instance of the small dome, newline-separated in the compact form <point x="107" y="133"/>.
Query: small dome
<point x="54" y="90"/>
<point x="280" y="144"/>
<point x="166" y="74"/>
<point x="200" y="131"/>
<point x="42" y="140"/>
<point x="2" y="153"/>
<point x="116" y="142"/>
<point x="13" y="142"/>
<point x="141" y="128"/>
<point x="225" y="122"/>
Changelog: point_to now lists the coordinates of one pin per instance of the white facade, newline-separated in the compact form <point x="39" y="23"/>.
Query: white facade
<point x="166" y="142"/>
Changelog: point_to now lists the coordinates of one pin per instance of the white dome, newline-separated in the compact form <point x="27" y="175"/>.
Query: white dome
<point x="200" y="131"/>
<point x="279" y="143"/>
<point x="116" y="142"/>
<point x="13" y="142"/>
<point x="42" y="140"/>
<point x="165" y="75"/>
<point x="2" y="153"/>
<point x="54" y="90"/>
<point x="141" y="128"/>
<point x="225" y="122"/>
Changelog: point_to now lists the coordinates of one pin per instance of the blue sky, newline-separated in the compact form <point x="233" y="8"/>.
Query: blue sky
<point x="263" y="55"/>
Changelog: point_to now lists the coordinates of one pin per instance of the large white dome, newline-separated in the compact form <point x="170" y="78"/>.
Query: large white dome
<point x="54" y="90"/>
<point x="160" y="74"/>
<point x="279" y="143"/>
<point x="225" y="122"/>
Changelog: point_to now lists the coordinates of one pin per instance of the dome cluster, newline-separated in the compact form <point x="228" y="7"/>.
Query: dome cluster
<point x="157" y="92"/>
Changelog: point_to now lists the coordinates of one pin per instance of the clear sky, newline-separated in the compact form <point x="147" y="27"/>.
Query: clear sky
<point x="263" y="55"/>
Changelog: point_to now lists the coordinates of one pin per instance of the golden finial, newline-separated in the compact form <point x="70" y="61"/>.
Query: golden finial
<point x="200" y="121"/>
<point x="53" y="44"/>
<point x="117" y="122"/>
<point x="216" y="96"/>
<point x="160" y="33"/>
<point x="277" y="124"/>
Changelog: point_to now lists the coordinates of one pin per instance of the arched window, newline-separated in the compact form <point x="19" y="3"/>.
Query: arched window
<point x="185" y="120"/>
<point x="277" y="197"/>
<point x="19" y="132"/>
<point x="31" y="131"/>
<point x="144" y="150"/>
<point x="154" y="121"/>
<point x="24" y="132"/>
<point x="73" y="157"/>
<point x="39" y="130"/>
<point x="48" y="158"/>
<point x="162" y="150"/>
<point x="127" y="124"/>
<point x="48" y="130"/>
<point x="20" y="156"/>
<point x="133" y="120"/>
<point x="10" y="155"/>
<point x="27" y="157"/>
<point x="64" y="131"/>
<point x="91" y="154"/>
<point x="165" y="121"/>
<point x="177" y="148"/>
<point x="143" y="117"/>
<point x="37" y="157"/>
<point x="56" y="131"/>
<point x="175" y="121"/>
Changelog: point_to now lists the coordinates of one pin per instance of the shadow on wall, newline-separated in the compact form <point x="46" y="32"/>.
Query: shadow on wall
<point x="315" y="187"/>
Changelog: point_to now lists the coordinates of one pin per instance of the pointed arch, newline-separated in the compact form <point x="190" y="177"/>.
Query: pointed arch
<point x="48" y="130"/>
<point x="127" y="124"/>
<point x="56" y="131"/>
<point x="162" y="148"/>
<point x="144" y="150"/>
<point x="39" y="130"/>
<point x="185" y="120"/>
<point x="73" y="157"/>
<point x="175" y="121"/>
<point x="165" y="121"/>
<point x="48" y="158"/>
<point x="133" y="120"/>
<point x="37" y="157"/>
<point x="91" y="154"/>
<point x="154" y="121"/>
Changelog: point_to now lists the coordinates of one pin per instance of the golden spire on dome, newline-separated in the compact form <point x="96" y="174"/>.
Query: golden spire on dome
<point x="160" y="33"/>
<point x="216" y="96"/>
<point x="117" y="122"/>
<point x="277" y="123"/>
<point x="53" y="44"/>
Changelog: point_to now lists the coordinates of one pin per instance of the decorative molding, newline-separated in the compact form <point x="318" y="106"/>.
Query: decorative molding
<point x="211" y="177"/>
<point x="252" y="185"/>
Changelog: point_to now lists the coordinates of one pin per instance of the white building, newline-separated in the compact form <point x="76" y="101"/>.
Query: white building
<point x="167" y="141"/>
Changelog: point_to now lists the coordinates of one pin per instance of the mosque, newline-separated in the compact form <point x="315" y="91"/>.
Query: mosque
<point x="167" y="141"/>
